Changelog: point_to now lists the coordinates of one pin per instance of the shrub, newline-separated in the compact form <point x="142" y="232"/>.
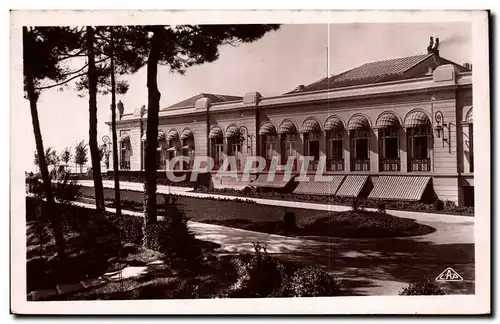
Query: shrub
<point x="66" y="191"/>
<point x="355" y="204"/>
<point x="438" y="205"/>
<point x="289" y="222"/>
<point x="381" y="207"/>
<point x="421" y="288"/>
<point x="313" y="282"/>
<point x="173" y="237"/>
<point x="262" y="275"/>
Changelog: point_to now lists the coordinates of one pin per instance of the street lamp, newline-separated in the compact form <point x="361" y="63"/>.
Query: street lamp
<point x="440" y="125"/>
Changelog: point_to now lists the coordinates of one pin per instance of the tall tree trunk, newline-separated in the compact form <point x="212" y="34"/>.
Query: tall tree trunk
<point x="113" y="128"/>
<point x="55" y="218"/>
<point x="94" y="150"/>
<point x="150" y="212"/>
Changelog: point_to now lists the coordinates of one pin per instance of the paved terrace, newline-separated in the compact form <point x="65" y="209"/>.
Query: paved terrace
<point x="365" y="266"/>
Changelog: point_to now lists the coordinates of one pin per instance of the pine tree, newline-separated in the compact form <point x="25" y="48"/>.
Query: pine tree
<point x="179" y="47"/>
<point x="42" y="48"/>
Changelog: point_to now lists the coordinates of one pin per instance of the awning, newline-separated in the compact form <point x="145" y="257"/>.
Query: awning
<point x="222" y="182"/>
<point x="313" y="187"/>
<point x="387" y="120"/>
<point x="215" y="132"/>
<point x="333" y="124"/>
<point x="310" y="125"/>
<point x="399" y="188"/>
<point x="232" y="131"/>
<point x="161" y="136"/>
<point x="352" y="186"/>
<point x="416" y="118"/>
<point x="267" y="128"/>
<point x="279" y="180"/>
<point x="187" y="133"/>
<point x="172" y="134"/>
<point x="469" y="117"/>
<point x="358" y="122"/>
<point x="125" y="138"/>
<point x="287" y="127"/>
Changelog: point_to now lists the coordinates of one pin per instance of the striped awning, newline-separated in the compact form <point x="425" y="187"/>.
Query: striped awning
<point x="391" y="188"/>
<point x="358" y="122"/>
<point x="172" y="134"/>
<point x="279" y="180"/>
<point x="387" y="120"/>
<point x="267" y="128"/>
<point x="161" y="136"/>
<point x="310" y="125"/>
<point x="124" y="138"/>
<point x="333" y="124"/>
<point x="287" y="127"/>
<point x="232" y="131"/>
<point x="187" y="133"/>
<point x="352" y="186"/>
<point x="416" y="118"/>
<point x="469" y="117"/>
<point x="313" y="187"/>
<point x="215" y="132"/>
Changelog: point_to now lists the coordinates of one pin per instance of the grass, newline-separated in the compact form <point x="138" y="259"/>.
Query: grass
<point x="95" y="249"/>
<point x="269" y="219"/>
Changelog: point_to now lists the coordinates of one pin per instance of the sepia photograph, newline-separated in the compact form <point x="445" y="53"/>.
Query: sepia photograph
<point x="250" y="162"/>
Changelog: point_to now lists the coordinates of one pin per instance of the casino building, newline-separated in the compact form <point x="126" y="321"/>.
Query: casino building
<point x="399" y="129"/>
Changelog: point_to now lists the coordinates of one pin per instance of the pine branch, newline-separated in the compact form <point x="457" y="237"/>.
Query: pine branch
<point x="62" y="82"/>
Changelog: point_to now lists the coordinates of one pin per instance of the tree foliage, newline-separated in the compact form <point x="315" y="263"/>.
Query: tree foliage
<point x="179" y="47"/>
<point x="81" y="154"/>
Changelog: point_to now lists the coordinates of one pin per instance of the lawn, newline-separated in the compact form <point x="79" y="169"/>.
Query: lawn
<point x="269" y="219"/>
<point x="104" y="260"/>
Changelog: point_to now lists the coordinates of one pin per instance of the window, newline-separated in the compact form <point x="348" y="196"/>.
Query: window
<point x="217" y="150"/>
<point x="313" y="149"/>
<point x="389" y="149"/>
<point x="419" y="148"/>
<point x="335" y="149"/>
<point x="360" y="151"/>
<point x="125" y="155"/>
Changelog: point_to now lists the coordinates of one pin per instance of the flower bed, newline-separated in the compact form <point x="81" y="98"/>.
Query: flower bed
<point x="448" y="207"/>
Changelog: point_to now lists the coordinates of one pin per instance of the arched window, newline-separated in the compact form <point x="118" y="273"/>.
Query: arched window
<point x="289" y="137"/>
<point x="312" y="133"/>
<point x="269" y="140"/>
<point x="359" y="129"/>
<point x="388" y="133"/>
<point x="187" y="149"/>
<point x="216" y="138"/>
<point x="334" y="129"/>
<point x="125" y="149"/>
<point x="419" y="136"/>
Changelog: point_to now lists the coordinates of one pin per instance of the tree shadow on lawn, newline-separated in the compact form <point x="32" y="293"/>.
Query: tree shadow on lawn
<point x="361" y="263"/>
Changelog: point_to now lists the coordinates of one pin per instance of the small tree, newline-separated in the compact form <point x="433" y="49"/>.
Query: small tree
<point x="66" y="156"/>
<point x="81" y="154"/>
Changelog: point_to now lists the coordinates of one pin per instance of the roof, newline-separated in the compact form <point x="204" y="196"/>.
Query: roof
<point x="213" y="97"/>
<point x="382" y="71"/>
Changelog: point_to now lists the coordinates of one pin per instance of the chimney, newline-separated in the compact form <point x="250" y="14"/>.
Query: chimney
<point x="300" y="87"/>
<point x="431" y="43"/>
<point x="468" y="66"/>
<point x="120" y="108"/>
<point x="436" y="47"/>
<point x="429" y="71"/>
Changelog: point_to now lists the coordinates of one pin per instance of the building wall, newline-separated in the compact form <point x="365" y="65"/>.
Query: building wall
<point x="449" y="154"/>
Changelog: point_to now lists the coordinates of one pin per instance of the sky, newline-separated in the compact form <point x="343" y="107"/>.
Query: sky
<point x="277" y="63"/>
